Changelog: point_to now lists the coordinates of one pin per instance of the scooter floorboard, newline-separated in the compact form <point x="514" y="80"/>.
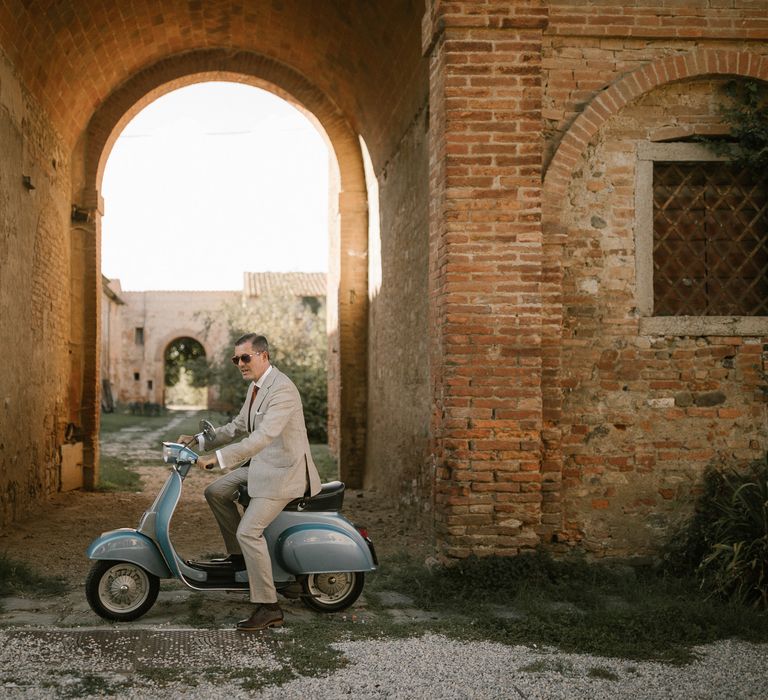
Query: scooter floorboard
<point x="220" y="577"/>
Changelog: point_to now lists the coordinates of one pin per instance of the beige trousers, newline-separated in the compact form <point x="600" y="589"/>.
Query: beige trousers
<point x="245" y="535"/>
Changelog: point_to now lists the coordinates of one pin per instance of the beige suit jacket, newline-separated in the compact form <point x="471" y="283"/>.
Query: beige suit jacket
<point x="275" y="444"/>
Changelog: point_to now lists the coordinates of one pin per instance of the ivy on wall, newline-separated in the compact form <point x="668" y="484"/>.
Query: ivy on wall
<point x="747" y="116"/>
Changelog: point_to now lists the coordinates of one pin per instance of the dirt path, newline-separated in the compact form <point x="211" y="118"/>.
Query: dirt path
<point x="53" y="541"/>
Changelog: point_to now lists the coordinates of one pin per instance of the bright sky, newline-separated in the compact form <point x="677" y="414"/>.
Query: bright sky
<point x="211" y="181"/>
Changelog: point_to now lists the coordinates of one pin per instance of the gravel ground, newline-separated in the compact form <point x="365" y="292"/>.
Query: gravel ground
<point x="422" y="667"/>
<point x="436" y="667"/>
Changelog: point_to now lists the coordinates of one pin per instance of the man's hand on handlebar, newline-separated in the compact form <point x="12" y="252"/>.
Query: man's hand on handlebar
<point x="184" y="439"/>
<point x="207" y="462"/>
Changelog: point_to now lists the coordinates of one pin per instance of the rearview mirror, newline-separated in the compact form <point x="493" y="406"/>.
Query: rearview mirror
<point x="208" y="431"/>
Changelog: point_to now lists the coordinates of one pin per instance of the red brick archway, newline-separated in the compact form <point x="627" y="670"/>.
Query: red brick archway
<point x="629" y="87"/>
<point x="566" y="160"/>
<point x="348" y="274"/>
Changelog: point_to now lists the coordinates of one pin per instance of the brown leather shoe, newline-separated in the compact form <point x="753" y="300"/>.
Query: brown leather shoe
<point x="261" y="618"/>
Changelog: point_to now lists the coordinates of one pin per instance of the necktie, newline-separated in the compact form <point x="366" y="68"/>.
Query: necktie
<point x="250" y="405"/>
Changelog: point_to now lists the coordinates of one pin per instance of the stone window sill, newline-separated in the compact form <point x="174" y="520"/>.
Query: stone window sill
<point x="704" y="325"/>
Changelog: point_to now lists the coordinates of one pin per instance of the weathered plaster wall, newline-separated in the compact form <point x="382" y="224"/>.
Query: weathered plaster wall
<point x="35" y="323"/>
<point x="164" y="317"/>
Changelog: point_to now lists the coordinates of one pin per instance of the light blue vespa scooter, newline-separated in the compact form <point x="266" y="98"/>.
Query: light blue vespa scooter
<point x="317" y="554"/>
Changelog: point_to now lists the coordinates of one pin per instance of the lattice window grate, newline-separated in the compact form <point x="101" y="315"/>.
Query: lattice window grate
<point x="710" y="240"/>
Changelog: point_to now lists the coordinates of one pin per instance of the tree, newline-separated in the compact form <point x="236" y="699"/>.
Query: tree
<point x="747" y="116"/>
<point x="298" y="346"/>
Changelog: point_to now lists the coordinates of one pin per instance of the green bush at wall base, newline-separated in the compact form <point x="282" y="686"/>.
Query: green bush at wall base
<point x="726" y="542"/>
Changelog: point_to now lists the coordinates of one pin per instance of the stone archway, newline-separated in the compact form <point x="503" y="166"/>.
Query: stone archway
<point x="178" y="387"/>
<point x="348" y="270"/>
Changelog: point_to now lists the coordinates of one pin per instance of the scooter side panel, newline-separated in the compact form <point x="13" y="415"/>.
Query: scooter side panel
<point x="322" y="548"/>
<point x="164" y="507"/>
<point x="126" y="544"/>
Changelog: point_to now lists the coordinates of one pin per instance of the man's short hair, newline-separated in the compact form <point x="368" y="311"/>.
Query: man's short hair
<point x="258" y="342"/>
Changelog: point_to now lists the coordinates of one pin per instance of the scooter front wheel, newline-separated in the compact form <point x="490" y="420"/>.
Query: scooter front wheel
<point x="332" y="592"/>
<point x="120" y="590"/>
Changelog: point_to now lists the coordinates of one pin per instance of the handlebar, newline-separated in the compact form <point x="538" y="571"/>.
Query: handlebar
<point x="178" y="453"/>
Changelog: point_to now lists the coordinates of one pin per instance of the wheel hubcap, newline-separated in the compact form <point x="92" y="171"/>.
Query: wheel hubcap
<point x="123" y="588"/>
<point x="331" y="587"/>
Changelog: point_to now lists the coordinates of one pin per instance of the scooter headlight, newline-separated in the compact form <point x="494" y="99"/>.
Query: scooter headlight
<point x="171" y="452"/>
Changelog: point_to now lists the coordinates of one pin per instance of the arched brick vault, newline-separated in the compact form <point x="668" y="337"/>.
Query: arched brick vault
<point x="568" y="156"/>
<point x="358" y="66"/>
<point x="184" y="69"/>
<point x="72" y="56"/>
<point x="216" y="64"/>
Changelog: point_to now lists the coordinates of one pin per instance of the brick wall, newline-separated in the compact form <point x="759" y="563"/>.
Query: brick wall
<point x="628" y="483"/>
<point x="485" y="273"/>
<point x="643" y="415"/>
<point x="34" y="301"/>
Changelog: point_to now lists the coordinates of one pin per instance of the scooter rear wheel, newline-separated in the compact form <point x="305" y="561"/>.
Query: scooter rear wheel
<point x="120" y="590"/>
<point x="332" y="592"/>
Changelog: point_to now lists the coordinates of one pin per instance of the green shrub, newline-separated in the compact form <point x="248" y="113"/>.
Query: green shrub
<point x="735" y="564"/>
<point x="725" y="544"/>
<point x="17" y="577"/>
<point x="298" y="346"/>
<point x="747" y="115"/>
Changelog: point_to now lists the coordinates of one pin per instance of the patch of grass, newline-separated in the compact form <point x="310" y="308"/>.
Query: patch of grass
<point x="116" y="421"/>
<point x="307" y="651"/>
<point x="162" y="677"/>
<point x="17" y="577"/>
<point x="325" y="462"/>
<point x="115" y="474"/>
<point x="254" y="680"/>
<point x="570" y="605"/>
<point x="88" y="684"/>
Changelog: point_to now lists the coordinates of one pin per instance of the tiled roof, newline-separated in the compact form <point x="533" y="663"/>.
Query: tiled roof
<point x="300" y="284"/>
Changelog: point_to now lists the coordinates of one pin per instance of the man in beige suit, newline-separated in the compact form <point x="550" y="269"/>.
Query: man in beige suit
<point x="278" y="468"/>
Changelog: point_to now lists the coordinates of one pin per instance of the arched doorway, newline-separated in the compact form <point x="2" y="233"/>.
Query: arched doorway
<point x="347" y="291"/>
<point x="184" y="374"/>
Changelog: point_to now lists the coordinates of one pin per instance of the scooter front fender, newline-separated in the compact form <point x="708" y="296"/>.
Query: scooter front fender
<point x="314" y="548"/>
<point x="126" y="544"/>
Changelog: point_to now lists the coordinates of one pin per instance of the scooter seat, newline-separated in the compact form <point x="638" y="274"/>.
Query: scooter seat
<point x="330" y="498"/>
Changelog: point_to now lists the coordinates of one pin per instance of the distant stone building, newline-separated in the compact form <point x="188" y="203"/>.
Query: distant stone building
<point x="139" y="327"/>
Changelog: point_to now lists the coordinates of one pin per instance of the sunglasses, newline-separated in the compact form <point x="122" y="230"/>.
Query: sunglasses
<point x="245" y="357"/>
